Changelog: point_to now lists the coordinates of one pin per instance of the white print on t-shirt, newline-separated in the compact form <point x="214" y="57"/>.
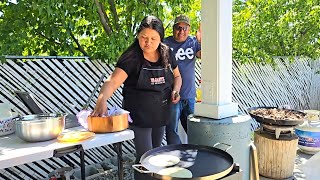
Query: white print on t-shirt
<point x="159" y="80"/>
<point x="182" y="54"/>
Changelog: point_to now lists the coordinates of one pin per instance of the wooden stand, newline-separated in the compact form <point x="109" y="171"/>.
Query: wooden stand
<point x="275" y="156"/>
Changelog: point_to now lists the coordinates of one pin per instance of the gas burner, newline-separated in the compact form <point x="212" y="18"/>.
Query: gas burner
<point x="277" y="130"/>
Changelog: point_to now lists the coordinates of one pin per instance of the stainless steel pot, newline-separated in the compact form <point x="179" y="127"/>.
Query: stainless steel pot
<point x="39" y="127"/>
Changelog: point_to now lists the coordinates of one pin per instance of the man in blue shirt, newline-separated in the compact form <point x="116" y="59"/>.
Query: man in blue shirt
<point x="185" y="48"/>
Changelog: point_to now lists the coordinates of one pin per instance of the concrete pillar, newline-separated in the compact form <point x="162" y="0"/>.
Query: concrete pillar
<point x="216" y="117"/>
<point x="216" y="59"/>
<point x="234" y="131"/>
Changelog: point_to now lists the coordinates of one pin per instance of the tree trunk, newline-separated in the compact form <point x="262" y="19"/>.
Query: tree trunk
<point x="275" y="156"/>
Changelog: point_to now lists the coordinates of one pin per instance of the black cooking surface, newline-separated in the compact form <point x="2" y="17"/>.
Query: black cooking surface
<point x="203" y="161"/>
<point x="279" y="122"/>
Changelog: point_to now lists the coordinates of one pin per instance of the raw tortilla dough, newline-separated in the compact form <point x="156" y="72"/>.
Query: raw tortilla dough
<point x="164" y="160"/>
<point x="177" y="172"/>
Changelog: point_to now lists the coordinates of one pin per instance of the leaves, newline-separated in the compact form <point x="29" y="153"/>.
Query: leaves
<point x="73" y="28"/>
<point x="264" y="29"/>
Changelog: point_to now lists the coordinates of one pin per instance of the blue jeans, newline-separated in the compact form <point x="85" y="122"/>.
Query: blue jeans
<point x="181" y="111"/>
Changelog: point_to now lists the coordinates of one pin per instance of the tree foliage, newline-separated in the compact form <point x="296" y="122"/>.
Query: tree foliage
<point x="263" y="29"/>
<point x="100" y="29"/>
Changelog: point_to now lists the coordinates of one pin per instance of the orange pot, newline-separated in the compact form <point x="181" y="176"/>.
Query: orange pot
<point x="108" y="124"/>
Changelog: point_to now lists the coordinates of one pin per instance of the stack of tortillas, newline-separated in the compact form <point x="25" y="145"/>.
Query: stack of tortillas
<point x="177" y="172"/>
<point x="166" y="160"/>
<point x="75" y="136"/>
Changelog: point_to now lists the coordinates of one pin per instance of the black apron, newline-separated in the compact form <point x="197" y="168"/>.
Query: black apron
<point x="149" y="102"/>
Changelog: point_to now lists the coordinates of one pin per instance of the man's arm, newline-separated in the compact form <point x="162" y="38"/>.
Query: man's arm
<point x="176" y="85"/>
<point x="198" y="36"/>
<point x="198" y="54"/>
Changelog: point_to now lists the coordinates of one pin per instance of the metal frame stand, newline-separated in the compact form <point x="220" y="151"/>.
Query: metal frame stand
<point x="64" y="151"/>
<point x="118" y="148"/>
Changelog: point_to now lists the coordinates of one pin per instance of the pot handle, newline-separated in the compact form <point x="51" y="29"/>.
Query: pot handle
<point x="136" y="167"/>
<point x="17" y="117"/>
<point x="229" y="146"/>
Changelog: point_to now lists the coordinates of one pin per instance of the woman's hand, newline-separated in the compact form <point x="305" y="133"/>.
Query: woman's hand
<point x="101" y="107"/>
<point x="175" y="96"/>
<point x="113" y="82"/>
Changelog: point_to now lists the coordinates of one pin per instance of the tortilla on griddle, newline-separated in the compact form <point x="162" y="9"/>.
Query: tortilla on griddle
<point x="177" y="172"/>
<point x="164" y="160"/>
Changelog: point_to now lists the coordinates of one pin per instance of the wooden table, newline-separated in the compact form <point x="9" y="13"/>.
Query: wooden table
<point x="14" y="151"/>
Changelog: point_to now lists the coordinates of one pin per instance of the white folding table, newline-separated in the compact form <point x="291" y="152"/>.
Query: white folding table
<point x="14" y="151"/>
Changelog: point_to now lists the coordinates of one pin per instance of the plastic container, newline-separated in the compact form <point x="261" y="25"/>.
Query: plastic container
<point x="309" y="133"/>
<point x="7" y="126"/>
<point x="7" y="122"/>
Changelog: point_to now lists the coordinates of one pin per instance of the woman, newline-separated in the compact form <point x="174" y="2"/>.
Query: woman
<point x="151" y="81"/>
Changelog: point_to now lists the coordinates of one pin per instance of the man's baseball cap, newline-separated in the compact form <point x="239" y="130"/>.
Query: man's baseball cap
<point x="182" y="19"/>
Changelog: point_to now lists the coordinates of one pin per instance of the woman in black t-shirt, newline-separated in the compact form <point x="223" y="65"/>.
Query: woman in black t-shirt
<point x="151" y="81"/>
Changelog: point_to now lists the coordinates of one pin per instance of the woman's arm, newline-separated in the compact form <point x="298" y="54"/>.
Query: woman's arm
<point x="114" y="81"/>
<point x="176" y="85"/>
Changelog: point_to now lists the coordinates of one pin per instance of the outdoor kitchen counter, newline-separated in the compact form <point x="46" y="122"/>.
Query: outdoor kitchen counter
<point x="14" y="151"/>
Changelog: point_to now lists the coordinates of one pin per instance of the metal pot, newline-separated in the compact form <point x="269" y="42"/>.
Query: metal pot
<point x="40" y="127"/>
<point x="204" y="162"/>
<point x="108" y="124"/>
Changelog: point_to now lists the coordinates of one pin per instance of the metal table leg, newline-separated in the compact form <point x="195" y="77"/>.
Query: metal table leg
<point x="118" y="149"/>
<point x="82" y="166"/>
<point x="63" y="151"/>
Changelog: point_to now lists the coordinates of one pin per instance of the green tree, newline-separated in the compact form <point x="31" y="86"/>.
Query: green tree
<point x="100" y="29"/>
<point x="263" y="29"/>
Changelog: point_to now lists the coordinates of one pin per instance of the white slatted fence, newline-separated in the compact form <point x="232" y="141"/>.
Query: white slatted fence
<point x="63" y="84"/>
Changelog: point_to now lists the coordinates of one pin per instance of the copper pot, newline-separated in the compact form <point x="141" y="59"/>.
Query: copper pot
<point x="108" y="124"/>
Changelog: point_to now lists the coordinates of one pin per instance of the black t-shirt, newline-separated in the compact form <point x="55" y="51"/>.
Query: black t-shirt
<point x="133" y="66"/>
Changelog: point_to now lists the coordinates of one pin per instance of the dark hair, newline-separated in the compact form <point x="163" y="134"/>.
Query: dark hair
<point x="134" y="50"/>
<point x="154" y="23"/>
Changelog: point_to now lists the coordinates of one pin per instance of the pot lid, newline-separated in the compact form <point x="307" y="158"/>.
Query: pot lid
<point x="312" y="115"/>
